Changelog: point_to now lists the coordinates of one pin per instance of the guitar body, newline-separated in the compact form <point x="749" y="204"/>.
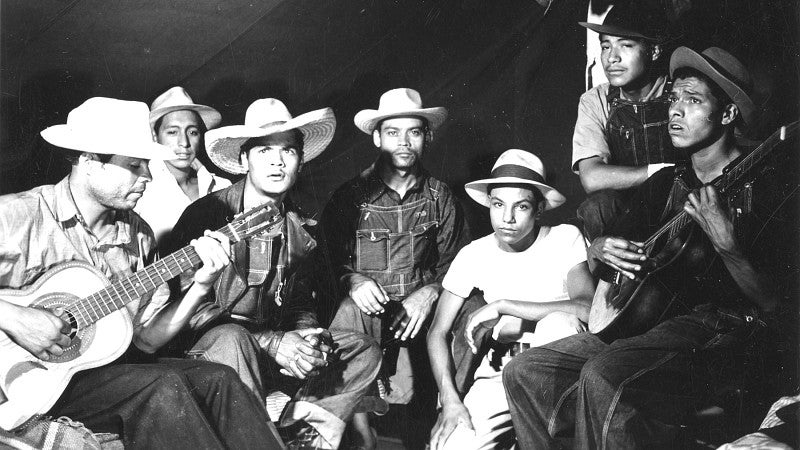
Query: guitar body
<point x="31" y="386"/>
<point x="631" y="307"/>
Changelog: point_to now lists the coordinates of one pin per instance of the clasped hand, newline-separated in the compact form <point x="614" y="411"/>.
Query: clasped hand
<point x="303" y="353"/>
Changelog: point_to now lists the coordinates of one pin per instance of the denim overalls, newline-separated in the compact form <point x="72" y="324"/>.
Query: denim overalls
<point x="396" y="245"/>
<point x="637" y="132"/>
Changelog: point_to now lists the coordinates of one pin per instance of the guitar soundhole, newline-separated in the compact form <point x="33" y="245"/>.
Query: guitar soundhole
<point x="69" y="317"/>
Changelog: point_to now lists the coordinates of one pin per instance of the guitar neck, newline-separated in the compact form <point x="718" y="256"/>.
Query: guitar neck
<point x="727" y="180"/>
<point x="115" y="296"/>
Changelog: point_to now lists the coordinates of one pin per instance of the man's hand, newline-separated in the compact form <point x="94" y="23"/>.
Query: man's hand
<point x="416" y="308"/>
<point x="622" y="255"/>
<point x="449" y="418"/>
<point x="487" y="316"/>
<point x="38" y="331"/>
<point x="214" y="250"/>
<point x="705" y="208"/>
<point x="367" y="294"/>
<point x="298" y="357"/>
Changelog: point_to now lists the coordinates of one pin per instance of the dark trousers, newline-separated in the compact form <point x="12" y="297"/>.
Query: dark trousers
<point x="600" y="208"/>
<point x="632" y="393"/>
<point x="173" y="404"/>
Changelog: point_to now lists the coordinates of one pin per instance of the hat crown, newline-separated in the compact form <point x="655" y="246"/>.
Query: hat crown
<point x="729" y="66"/>
<point x="175" y="96"/>
<point x="635" y="20"/>
<point x="400" y="99"/>
<point x="102" y="119"/>
<point x="517" y="157"/>
<point x="266" y="111"/>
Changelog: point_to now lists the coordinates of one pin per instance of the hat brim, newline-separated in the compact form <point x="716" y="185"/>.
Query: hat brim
<point x="366" y="120"/>
<point x="477" y="190"/>
<point x="224" y="144"/>
<point x="686" y="57"/>
<point x="210" y="116"/>
<point x="63" y="136"/>
<point x="614" y="30"/>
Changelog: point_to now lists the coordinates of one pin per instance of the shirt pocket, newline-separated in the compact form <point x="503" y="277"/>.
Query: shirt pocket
<point x="423" y="241"/>
<point x="372" y="250"/>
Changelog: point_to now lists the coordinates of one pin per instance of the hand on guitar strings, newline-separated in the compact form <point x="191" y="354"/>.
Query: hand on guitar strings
<point x="297" y="356"/>
<point x="214" y="250"/>
<point x="707" y="210"/>
<point x="626" y="257"/>
<point x="41" y="332"/>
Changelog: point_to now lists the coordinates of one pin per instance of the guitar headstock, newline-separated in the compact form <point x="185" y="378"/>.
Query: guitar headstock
<point x="253" y="221"/>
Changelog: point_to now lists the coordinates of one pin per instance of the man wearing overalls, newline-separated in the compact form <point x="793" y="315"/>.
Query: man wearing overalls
<point x="621" y="137"/>
<point x="393" y="232"/>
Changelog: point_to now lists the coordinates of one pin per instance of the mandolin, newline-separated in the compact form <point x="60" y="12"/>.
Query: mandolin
<point x="625" y="307"/>
<point x="101" y="326"/>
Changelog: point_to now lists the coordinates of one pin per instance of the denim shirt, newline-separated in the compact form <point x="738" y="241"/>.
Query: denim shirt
<point x="358" y="232"/>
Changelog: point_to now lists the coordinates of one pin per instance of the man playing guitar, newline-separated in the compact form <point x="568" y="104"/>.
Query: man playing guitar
<point x="632" y="391"/>
<point x="88" y="217"/>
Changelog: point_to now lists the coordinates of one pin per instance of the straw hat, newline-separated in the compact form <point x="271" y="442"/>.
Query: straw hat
<point x="110" y="127"/>
<point x="725" y="70"/>
<point x="395" y="103"/>
<point x="264" y="117"/>
<point x="177" y="99"/>
<point x="516" y="166"/>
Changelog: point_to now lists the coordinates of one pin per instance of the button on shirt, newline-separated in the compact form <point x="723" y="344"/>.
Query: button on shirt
<point x="163" y="201"/>
<point x="42" y="227"/>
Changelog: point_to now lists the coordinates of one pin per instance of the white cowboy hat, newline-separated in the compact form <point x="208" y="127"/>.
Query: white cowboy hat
<point x="111" y="127"/>
<point x="399" y="102"/>
<point x="264" y="117"/>
<point x="516" y="166"/>
<point x="177" y="99"/>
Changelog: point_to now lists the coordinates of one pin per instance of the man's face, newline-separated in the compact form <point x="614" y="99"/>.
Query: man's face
<point x="401" y="141"/>
<point x="119" y="183"/>
<point x="512" y="211"/>
<point x="274" y="164"/>
<point x="625" y="60"/>
<point x="182" y="132"/>
<point x="695" y="115"/>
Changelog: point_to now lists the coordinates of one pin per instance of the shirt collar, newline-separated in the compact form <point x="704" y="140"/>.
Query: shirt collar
<point x="376" y="187"/>
<point x="68" y="216"/>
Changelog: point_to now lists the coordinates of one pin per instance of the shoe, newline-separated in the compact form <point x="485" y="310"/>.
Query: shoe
<point x="301" y="436"/>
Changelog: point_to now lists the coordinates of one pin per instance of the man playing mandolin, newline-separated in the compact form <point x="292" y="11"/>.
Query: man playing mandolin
<point x="87" y="218"/>
<point x="627" y="384"/>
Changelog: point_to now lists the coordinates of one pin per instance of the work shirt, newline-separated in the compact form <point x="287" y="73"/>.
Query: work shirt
<point x="402" y="243"/>
<point x="42" y="227"/>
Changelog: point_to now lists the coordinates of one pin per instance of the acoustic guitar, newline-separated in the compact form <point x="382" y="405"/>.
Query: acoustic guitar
<point x="625" y="307"/>
<point x="101" y="325"/>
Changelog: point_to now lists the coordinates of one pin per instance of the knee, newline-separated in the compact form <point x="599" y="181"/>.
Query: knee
<point x="226" y="342"/>
<point x="361" y="347"/>
<point x="595" y="377"/>
<point x="521" y="371"/>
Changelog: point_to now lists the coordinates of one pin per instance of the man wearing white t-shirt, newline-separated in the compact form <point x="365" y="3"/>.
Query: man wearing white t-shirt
<point x="537" y="287"/>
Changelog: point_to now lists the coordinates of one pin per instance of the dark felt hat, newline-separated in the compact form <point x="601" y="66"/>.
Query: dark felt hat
<point x="633" y="21"/>
<point x="724" y="69"/>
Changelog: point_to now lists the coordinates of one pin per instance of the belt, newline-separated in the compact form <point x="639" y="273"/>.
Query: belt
<point x="517" y="348"/>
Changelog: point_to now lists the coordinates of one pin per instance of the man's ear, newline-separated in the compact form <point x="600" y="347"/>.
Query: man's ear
<point x="428" y="136"/>
<point x="729" y="113"/>
<point x="655" y="52"/>
<point x="376" y="137"/>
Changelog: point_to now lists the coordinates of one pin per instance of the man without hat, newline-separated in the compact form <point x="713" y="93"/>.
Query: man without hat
<point x="393" y="231"/>
<point x="620" y="136"/>
<point x="88" y="217"/>
<point x="179" y="123"/>
<point x="637" y="391"/>
<point x="537" y="287"/>
<point x="261" y="317"/>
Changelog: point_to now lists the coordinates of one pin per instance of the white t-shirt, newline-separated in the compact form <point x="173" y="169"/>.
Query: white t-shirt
<point x="538" y="274"/>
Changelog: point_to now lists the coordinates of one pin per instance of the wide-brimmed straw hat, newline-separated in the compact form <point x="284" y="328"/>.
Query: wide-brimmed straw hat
<point x="633" y="21"/>
<point x="110" y="127"/>
<point x="177" y="99"/>
<point x="264" y="117"/>
<point x="520" y="167"/>
<point x="397" y="103"/>
<point x="725" y="70"/>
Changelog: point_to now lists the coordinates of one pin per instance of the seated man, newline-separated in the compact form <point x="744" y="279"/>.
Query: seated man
<point x="635" y="391"/>
<point x="533" y="277"/>
<point x="621" y="135"/>
<point x="88" y="217"/>
<point x="260" y="318"/>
